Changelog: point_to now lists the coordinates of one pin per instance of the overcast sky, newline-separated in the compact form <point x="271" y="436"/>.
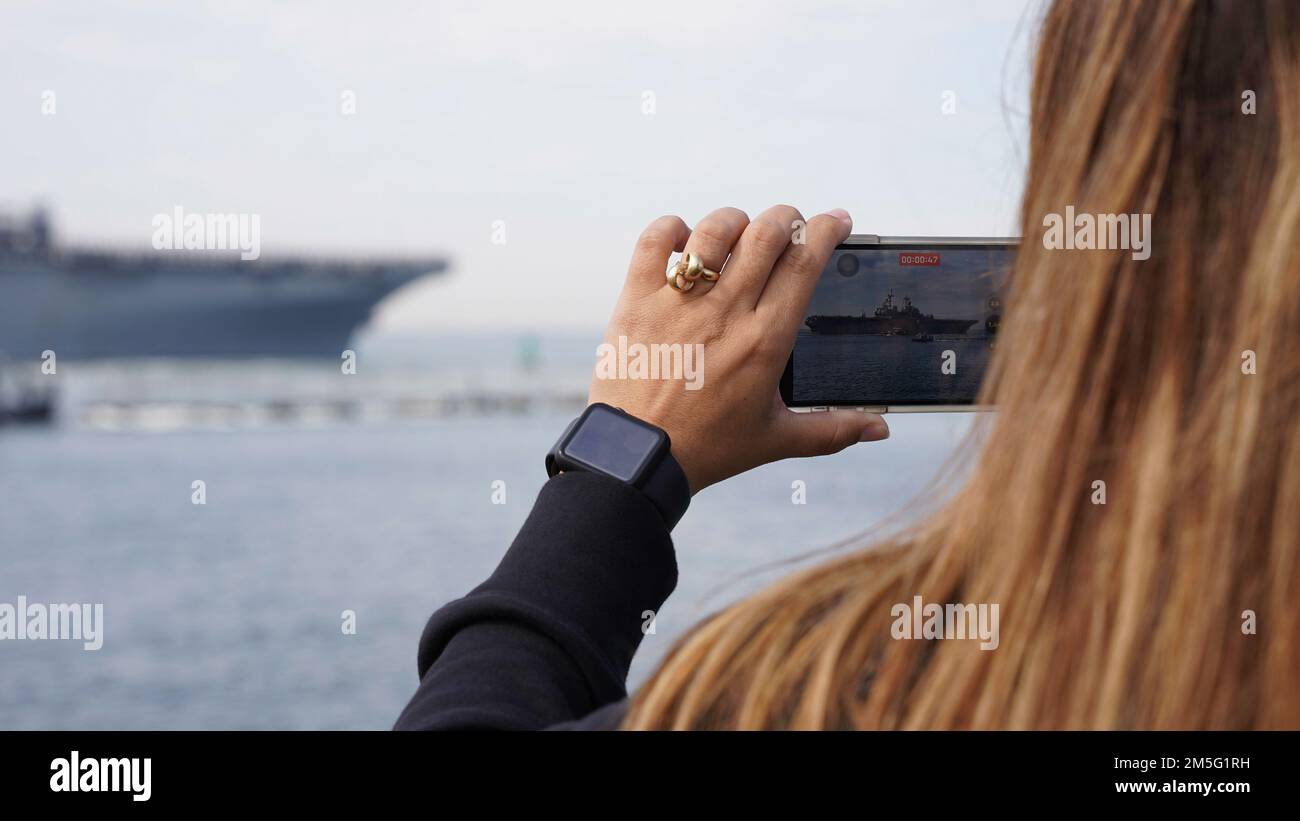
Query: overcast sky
<point x="530" y="113"/>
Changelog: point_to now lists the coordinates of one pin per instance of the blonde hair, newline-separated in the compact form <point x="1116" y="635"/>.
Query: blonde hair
<point x="1108" y="369"/>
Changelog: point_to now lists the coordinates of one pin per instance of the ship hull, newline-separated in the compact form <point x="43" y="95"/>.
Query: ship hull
<point x="887" y="326"/>
<point x="182" y="311"/>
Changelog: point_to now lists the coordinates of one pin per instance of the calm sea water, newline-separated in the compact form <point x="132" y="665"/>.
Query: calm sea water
<point x="228" y="614"/>
<point x="851" y="367"/>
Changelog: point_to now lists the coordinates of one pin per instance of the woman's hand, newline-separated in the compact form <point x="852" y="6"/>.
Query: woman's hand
<point x="724" y="413"/>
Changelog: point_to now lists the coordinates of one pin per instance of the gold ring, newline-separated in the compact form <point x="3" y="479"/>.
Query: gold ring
<point x="677" y="277"/>
<point x="693" y="265"/>
<point x="688" y="268"/>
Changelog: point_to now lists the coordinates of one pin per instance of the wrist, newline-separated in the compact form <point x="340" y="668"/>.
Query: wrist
<point x="611" y="442"/>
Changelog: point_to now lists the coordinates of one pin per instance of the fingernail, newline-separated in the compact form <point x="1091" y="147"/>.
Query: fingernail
<point x="875" y="430"/>
<point x="841" y="215"/>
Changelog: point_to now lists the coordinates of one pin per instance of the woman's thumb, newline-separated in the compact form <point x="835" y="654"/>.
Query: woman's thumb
<point x="824" y="432"/>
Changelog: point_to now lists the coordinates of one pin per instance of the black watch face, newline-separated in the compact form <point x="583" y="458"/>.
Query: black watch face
<point x="613" y="444"/>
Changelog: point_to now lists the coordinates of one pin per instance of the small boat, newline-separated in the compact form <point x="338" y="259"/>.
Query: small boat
<point x="24" y="401"/>
<point x="923" y="337"/>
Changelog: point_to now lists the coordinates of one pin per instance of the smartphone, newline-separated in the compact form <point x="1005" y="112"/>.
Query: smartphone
<point x="900" y="324"/>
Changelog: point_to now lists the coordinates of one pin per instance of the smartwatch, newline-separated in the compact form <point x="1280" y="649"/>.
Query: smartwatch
<point x="614" y="443"/>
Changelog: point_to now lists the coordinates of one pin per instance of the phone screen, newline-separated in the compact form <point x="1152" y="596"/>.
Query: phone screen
<point x="900" y="324"/>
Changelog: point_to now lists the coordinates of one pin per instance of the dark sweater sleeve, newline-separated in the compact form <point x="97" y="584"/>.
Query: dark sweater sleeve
<point x="548" y="638"/>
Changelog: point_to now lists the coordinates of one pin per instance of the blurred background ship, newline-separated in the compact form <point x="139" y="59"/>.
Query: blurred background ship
<point x="181" y="340"/>
<point x="890" y="319"/>
<point x="98" y="303"/>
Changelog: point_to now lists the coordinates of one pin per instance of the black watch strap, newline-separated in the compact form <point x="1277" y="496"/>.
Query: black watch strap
<point x="667" y="488"/>
<point x="662" y="481"/>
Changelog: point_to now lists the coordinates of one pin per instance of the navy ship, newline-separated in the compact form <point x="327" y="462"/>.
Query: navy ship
<point x="100" y="303"/>
<point x="890" y="319"/>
